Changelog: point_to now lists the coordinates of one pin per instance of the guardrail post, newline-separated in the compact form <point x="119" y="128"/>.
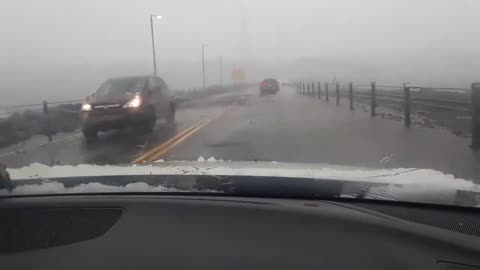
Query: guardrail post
<point x="303" y="88"/>
<point x="373" y="100"/>
<point x="319" y="85"/>
<point x="313" y="89"/>
<point x="350" y="94"/>
<point x="337" y="90"/>
<point x="406" y="95"/>
<point x="326" y="91"/>
<point x="308" y="89"/>
<point x="475" y="96"/>
<point x="45" y="111"/>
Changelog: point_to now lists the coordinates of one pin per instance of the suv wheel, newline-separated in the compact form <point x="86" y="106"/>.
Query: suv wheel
<point x="150" y="122"/>
<point x="90" y="133"/>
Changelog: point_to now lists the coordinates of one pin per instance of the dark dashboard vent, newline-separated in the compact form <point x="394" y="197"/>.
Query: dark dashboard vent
<point x="462" y="221"/>
<point x="28" y="229"/>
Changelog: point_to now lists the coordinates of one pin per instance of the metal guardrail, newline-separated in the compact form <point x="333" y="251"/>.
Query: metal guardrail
<point x="44" y="107"/>
<point x="406" y="100"/>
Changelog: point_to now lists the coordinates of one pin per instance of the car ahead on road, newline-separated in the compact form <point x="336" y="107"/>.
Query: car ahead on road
<point x="269" y="86"/>
<point x="126" y="102"/>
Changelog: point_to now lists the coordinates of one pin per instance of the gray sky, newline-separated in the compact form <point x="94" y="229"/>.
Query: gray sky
<point x="55" y="49"/>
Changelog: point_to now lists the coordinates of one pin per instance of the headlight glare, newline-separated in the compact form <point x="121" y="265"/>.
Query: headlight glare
<point x="134" y="103"/>
<point x="86" y="107"/>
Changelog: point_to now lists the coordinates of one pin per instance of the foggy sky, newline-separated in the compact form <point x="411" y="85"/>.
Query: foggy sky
<point x="56" y="49"/>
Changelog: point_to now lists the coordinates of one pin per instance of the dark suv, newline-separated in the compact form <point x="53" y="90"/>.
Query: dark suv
<point x="127" y="102"/>
<point x="269" y="86"/>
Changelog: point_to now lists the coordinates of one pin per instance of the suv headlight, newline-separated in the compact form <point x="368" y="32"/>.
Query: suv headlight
<point x="86" y="107"/>
<point x="134" y="103"/>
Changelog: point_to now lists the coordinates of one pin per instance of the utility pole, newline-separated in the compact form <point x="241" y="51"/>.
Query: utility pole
<point x="203" y="64"/>
<point x="221" y="72"/>
<point x="153" y="42"/>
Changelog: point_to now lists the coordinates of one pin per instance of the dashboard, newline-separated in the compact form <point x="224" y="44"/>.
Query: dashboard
<point x="216" y="232"/>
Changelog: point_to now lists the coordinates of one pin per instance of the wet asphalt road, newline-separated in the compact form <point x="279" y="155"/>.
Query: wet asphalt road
<point x="284" y="127"/>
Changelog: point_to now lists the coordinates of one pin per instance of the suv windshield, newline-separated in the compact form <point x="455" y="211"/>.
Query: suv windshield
<point x="119" y="87"/>
<point x="270" y="81"/>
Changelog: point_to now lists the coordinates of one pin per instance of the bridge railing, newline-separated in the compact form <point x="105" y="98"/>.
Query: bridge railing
<point x="450" y="104"/>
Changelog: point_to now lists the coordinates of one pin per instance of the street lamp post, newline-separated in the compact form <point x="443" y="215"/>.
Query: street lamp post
<point x="203" y="64"/>
<point x="153" y="42"/>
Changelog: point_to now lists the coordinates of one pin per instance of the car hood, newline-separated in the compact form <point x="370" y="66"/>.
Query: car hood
<point x="111" y="99"/>
<point x="97" y="101"/>
<point x="249" y="178"/>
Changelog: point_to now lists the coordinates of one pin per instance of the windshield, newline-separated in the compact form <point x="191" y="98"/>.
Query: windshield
<point x="270" y="81"/>
<point x="119" y="87"/>
<point x="351" y="91"/>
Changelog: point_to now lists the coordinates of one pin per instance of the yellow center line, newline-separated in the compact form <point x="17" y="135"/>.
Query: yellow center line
<point x="163" y="148"/>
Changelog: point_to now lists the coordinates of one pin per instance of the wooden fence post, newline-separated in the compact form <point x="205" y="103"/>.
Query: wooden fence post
<point x="475" y="96"/>
<point x="303" y="88"/>
<point x="406" y="95"/>
<point x="313" y="89"/>
<point x="350" y="94"/>
<point x="326" y="91"/>
<point x="338" y="93"/>
<point x="373" y="100"/>
<point x="308" y="89"/>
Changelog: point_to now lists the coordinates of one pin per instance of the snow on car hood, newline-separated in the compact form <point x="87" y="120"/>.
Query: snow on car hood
<point x="404" y="176"/>
<point x="404" y="184"/>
